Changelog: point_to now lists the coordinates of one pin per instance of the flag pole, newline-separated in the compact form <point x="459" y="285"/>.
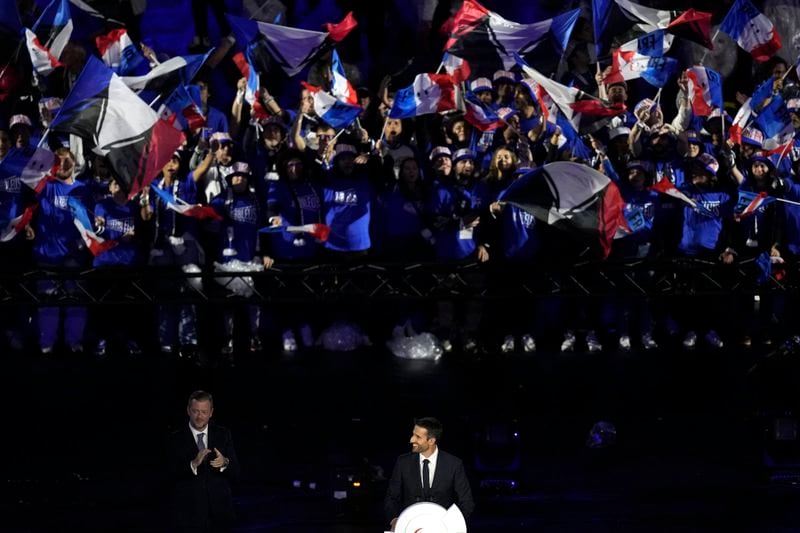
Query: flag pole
<point x="785" y="149"/>
<point x="383" y="129"/>
<point x="438" y="70"/>
<point x="44" y="137"/>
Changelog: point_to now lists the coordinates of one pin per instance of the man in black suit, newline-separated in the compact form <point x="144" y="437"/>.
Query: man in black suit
<point x="427" y="474"/>
<point x="202" y="463"/>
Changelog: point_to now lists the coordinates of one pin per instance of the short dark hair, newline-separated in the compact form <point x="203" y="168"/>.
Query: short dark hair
<point x="431" y="425"/>
<point x="201" y="396"/>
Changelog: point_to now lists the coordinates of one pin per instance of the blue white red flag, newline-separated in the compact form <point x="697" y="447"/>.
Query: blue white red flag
<point x="665" y="186"/>
<point x="775" y="123"/>
<point x="54" y="26"/>
<point x="705" y="90"/>
<point x="199" y="212"/>
<point x="489" y="42"/>
<point x="586" y="113"/>
<point x="751" y="30"/>
<point x="573" y="197"/>
<point x="622" y="17"/>
<point x="479" y="115"/>
<point x="16" y="225"/>
<point x="430" y="93"/>
<point x="292" y="48"/>
<point x="456" y="66"/>
<point x="341" y="87"/>
<point x="749" y="202"/>
<point x="335" y="113"/>
<point x="644" y="58"/>
<point x="120" y="54"/>
<point x="34" y="167"/>
<point x="96" y="244"/>
<point x="118" y="124"/>
<point x="181" y="108"/>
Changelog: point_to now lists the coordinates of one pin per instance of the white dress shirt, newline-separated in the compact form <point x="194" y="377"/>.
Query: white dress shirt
<point x="431" y="465"/>
<point x="195" y="433"/>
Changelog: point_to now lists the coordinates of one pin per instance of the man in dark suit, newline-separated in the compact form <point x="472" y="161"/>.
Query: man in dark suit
<point x="202" y="463"/>
<point x="427" y="474"/>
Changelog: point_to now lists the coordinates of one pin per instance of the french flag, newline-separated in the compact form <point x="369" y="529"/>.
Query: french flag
<point x="53" y="28"/>
<point x="585" y="112"/>
<point x="244" y="62"/>
<point x="96" y="244"/>
<point x="165" y="77"/>
<point x="181" y="109"/>
<point x="335" y="113"/>
<point x="644" y="58"/>
<point x="292" y="48"/>
<point x="17" y="224"/>
<point x="751" y="30"/>
<point x="199" y="212"/>
<point x="705" y="90"/>
<point x="750" y="202"/>
<point x="456" y="66"/>
<point x="320" y="232"/>
<point x="742" y="117"/>
<point x="44" y="62"/>
<point x="34" y="168"/>
<point x="430" y="93"/>
<point x="479" y="115"/>
<point x="341" y="88"/>
<point x="120" y="54"/>
<point x="665" y="186"/>
<point x="116" y="123"/>
<point x="776" y="125"/>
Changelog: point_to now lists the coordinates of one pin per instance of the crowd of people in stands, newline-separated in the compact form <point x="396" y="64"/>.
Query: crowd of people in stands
<point x="427" y="189"/>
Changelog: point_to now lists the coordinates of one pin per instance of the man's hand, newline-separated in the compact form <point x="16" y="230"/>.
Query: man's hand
<point x="220" y="460"/>
<point x="29" y="233"/>
<point x="483" y="254"/>
<point x="200" y="457"/>
<point x="727" y="257"/>
<point x="496" y="207"/>
<point x="267" y="261"/>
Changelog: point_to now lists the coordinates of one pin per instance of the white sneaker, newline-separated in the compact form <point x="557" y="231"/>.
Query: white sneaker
<point x="625" y="343"/>
<point x="528" y="343"/>
<point x="592" y="344"/>
<point x="648" y="343"/>
<point x="569" y="342"/>
<point x="690" y="340"/>
<point x="508" y="344"/>
<point x="289" y="342"/>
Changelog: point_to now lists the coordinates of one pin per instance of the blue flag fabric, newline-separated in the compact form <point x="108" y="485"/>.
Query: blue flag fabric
<point x="774" y="118"/>
<point x="660" y="70"/>
<point x="764" y="271"/>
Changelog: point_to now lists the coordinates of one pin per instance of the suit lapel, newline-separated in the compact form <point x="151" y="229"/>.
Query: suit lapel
<point x="416" y="472"/>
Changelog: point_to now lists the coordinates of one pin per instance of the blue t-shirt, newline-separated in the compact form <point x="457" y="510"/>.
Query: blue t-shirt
<point x="453" y="201"/>
<point x="57" y="237"/>
<point x="346" y="205"/>
<point x="242" y="220"/>
<point x="701" y="233"/>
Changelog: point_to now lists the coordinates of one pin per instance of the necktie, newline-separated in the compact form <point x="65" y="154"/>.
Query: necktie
<point x="200" y="444"/>
<point x="426" y="479"/>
